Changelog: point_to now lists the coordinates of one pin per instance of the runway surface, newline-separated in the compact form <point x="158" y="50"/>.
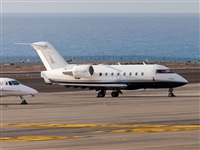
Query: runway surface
<point x="77" y="120"/>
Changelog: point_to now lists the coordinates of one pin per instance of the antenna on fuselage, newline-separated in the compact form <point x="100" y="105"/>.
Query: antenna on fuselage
<point x="119" y="63"/>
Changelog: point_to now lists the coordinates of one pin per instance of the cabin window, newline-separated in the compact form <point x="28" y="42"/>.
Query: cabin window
<point x="124" y="73"/>
<point x="112" y="74"/>
<point x="136" y="74"/>
<point x="142" y="73"/>
<point x="10" y="83"/>
<point x="118" y="74"/>
<point x="106" y="74"/>
<point x="164" y="71"/>
<point x="100" y="74"/>
<point x="130" y="74"/>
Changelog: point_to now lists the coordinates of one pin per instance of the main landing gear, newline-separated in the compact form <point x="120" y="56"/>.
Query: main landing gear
<point x="23" y="101"/>
<point x="171" y="94"/>
<point x="115" y="93"/>
<point x="101" y="93"/>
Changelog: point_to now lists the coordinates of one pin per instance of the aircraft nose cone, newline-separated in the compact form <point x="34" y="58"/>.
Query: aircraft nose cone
<point x="183" y="81"/>
<point x="33" y="92"/>
<point x="30" y="91"/>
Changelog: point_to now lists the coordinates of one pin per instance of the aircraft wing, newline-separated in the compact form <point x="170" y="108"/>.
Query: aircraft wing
<point x="93" y="85"/>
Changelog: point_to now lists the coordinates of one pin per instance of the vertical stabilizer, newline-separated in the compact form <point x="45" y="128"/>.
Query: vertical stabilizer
<point x="49" y="55"/>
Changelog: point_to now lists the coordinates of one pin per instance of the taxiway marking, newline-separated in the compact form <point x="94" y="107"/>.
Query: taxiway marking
<point x="90" y="125"/>
<point x="118" y="128"/>
<point x="38" y="138"/>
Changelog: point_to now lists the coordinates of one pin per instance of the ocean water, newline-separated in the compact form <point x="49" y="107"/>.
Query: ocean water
<point x="103" y="37"/>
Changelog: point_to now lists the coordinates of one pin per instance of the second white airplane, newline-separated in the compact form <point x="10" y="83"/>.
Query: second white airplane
<point x="104" y="77"/>
<point x="12" y="87"/>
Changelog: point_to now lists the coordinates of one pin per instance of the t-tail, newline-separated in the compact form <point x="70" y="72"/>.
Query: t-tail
<point x="49" y="55"/>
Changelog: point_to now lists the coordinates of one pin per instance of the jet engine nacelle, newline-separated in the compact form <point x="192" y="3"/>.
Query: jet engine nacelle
<point x="80" y="71"/>
<point x="83" y="71"/>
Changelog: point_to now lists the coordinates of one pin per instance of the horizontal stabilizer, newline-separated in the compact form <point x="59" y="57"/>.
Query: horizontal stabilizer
<point x="24" y="44"/>
<point x="38" y="44"/>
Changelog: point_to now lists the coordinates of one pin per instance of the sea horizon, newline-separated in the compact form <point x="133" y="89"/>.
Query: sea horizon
<point x="103" y="37"/>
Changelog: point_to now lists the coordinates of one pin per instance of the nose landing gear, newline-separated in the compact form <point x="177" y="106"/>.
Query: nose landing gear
<point x="171" y="94"/>
<point x="23" y="100"/>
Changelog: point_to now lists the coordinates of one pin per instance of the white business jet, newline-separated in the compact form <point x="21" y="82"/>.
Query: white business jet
<point x="11" y="87"/>
<point x="104" y="77"/>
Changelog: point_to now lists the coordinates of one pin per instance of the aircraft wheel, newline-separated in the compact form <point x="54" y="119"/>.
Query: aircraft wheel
<point x="24" y="102"/>
<point x="114" y="94"/>
<point x="171" y="95"/>
<point x="101" y="94"/>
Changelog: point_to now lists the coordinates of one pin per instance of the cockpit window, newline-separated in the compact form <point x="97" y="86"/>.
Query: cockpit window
<point x="15" y="83"/>
<point x="164" y="71"/>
